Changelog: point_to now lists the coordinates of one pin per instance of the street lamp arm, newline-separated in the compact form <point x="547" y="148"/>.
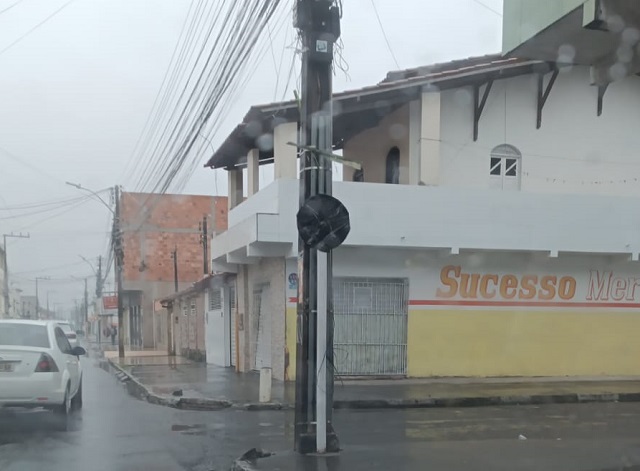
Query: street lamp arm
<point x="90" y="264"/>
<point x="80" y="187"/>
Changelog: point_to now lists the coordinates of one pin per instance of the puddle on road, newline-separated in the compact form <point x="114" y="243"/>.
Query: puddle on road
<point x="196" y="429"/>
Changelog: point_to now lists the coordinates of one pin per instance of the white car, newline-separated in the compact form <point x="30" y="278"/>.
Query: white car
<point x="39" y="367"/>
<point x="70" y="333"/>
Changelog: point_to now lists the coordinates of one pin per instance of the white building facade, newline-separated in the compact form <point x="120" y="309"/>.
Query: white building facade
<point x="495" y="232"/>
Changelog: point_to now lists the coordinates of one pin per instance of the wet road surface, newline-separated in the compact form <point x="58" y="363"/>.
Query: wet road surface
<point x="116" y="432"/>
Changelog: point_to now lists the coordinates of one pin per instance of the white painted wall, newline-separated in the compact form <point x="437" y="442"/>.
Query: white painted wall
<point x="574" y="151"/>
<point x="459" y="218"/>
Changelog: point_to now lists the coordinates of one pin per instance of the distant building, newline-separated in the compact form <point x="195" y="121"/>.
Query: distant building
<point x="154" y="226"/>
<point x="28" y="309"/>
<point x="15" y="303"/>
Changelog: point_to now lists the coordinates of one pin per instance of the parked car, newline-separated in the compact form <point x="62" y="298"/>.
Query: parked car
<point x="71" y="334"/>
<point x="39" y="367"/>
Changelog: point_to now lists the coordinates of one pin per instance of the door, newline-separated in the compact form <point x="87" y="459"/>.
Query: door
<point x="262" y="323"/>
<point x="73" y="362"/>
<point x="370" y="334"/>
<point x="214" y="327"/>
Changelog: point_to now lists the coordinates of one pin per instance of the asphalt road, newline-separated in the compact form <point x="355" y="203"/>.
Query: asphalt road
<point x="115" y="432"/>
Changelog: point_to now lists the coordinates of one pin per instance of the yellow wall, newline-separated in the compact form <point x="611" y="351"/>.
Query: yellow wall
<point x="290" y="369"/>
<point x="523" y="343"/>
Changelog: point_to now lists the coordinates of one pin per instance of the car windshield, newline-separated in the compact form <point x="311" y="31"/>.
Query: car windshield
<point x="23" y="335"/>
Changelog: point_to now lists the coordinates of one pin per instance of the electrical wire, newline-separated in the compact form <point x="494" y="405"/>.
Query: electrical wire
<point x="30" y="166"/>
<point x="488" y="7"/>
<point x="10" y="6"/>
<point x="384" y="33"/>
<point x="46" y="204"/>
<point x="239" y="32"/>
<point x="48" y="18"/>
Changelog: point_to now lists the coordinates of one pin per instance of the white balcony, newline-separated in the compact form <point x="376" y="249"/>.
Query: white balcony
<point x="439" y="218"/>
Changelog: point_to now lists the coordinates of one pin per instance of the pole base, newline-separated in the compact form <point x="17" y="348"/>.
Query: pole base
<point x="306" y="443"/>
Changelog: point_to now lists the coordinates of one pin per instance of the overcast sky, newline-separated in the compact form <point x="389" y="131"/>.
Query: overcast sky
<point x="76" y="91"/>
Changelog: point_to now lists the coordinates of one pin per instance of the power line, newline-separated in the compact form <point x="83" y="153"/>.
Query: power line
<point x="36" y="27"/>
<point x="10" y="7"/>
<point x="375" y="9"/>
<point x="155" y="106"/>
<point x="30" y="166"/>
<point x="488" y="7"/>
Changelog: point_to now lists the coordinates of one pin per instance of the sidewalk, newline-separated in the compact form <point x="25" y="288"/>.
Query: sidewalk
<point x="164" y="376"/>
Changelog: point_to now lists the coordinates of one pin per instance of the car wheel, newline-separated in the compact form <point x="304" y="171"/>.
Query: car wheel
<point x="76" y="402"/>
<point x="65" y="408"/>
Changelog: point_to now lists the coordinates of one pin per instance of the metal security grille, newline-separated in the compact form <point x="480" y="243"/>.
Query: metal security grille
<point x="262" y="335"/>
<point x="370" y="334"/>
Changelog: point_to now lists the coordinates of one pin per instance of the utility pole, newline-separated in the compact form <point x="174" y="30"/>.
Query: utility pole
<point x="319" y="24"/>
<point x="37" y="296"/>
<point x="205" y="244"/>
<point x="118" y="248"/>
<point x="86" y="305"/>
<point x="6" y="268"/>
<point x="99" y="278"/>
<point x="174" y="255"/>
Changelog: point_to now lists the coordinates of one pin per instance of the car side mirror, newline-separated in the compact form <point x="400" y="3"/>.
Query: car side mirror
<point x="78" y="351"/>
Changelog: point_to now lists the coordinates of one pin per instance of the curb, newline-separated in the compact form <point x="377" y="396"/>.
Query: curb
<point x="136" y="389"/>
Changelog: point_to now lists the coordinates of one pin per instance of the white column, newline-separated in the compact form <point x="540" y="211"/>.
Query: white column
<point x="430" y="139"/>
<point x="253" y="169"/>
<point x="285" y="156"/>
<point x="235" y="187"/>
<point x="415" y="141"/>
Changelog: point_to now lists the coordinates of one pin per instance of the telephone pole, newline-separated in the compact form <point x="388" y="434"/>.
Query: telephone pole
<point x="118" y="249"/>
<point x="319" y="24"/>
<point x="205" y="244"/>
<point x="86" y="305"/>
<point x="99" y="278"/>
<point x="6" y="269"/>
<point x="174" y="255"/>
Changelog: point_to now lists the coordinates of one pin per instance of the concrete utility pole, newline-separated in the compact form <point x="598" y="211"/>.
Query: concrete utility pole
<point x="174" y="255"/>
<point x="319" y="24"/>
<point x="205" y="244"/>
<point x="86" y="304"/>
<point x="6" y="268"/>
<point x="37" y="296"/>
<point x="119" y="261"/>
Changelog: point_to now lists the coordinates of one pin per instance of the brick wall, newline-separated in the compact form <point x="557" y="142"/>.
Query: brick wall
<point x="154" y="225"/>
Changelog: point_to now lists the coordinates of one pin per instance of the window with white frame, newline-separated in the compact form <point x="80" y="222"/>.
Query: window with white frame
<point x="505" y="167"/>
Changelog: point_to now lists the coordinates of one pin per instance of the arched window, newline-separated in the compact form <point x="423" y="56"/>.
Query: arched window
<point x="505" y="167"/>
<point x="393" y="166"/>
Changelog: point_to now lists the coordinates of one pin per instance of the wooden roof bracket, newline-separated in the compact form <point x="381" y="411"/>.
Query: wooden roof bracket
<point x="543" y="93"/>
<point x="478" y="104"/>
<point x="601" y="91"/>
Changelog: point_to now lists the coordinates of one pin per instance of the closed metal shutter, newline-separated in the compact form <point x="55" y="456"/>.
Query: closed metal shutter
<point x="370" y="334"/>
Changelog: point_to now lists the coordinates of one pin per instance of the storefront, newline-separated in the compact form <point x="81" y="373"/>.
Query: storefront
<point x="428" y="313"/>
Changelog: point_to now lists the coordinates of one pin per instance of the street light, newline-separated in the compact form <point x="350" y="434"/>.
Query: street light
<point x="82" y="188"/>
<point x="90" y="264"/>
